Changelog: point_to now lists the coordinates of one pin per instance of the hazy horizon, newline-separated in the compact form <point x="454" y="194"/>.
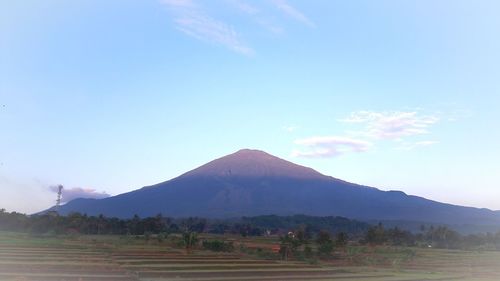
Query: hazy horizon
<point x="106" y="97"/>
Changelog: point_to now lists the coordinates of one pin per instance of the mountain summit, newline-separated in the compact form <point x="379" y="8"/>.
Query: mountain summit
<point x="253" y="182"/>
<point x="254" y="163"/>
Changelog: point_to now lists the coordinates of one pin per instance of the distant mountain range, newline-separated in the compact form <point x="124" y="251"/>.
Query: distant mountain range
<point x="252" y="182"/>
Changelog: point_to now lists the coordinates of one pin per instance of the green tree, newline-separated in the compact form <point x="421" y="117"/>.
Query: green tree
<point x="376" y="235"/>
<point x="190" y="238"/>
<point x="341" y="239"/>
<point x="325" y="243"/>
<point x="302" y="234"/>
<point x="443" y="237"/>
<point x="288" y="245"/>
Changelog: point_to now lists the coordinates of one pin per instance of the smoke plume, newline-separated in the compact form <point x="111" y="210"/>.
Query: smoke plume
<point x="69" y="194"/>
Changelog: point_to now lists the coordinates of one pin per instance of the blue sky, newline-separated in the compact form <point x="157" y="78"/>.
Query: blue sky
<point x="109" y="96"/>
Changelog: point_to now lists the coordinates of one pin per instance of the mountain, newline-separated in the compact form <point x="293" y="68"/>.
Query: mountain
<point x="252" y="182"/>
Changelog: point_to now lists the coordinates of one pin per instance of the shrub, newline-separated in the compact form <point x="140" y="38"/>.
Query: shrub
<point x="161" y="237"/>
<point x="218" y="246"/>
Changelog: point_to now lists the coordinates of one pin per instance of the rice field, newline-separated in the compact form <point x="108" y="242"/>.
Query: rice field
<point x="108" y="258"/>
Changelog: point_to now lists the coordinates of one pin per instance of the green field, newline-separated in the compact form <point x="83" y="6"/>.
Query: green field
<point x="24" y="257"/>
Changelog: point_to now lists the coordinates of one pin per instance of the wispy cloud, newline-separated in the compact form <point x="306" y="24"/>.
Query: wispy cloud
<point x="193" y="20"/>
<point x="69" y="194"/>
<point x="410" y="146"/>
<point x="292" y="12"/>
<point x="244" y="7"/>
<point x="391" y="125"/>
<point x="329" y="146"/>
<point x="257" y="16"/>
<point x="371" y="128"/>
<point x="291" y="128"/>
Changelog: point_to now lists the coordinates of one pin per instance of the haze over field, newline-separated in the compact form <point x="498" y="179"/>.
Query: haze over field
<point x="108" y="96"/>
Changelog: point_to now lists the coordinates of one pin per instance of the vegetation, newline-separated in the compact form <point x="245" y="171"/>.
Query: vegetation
<point x="288" y="245"/>
<point x="295" y="232"/>
<point x="189" y="239"/>
<point x="218" y="246"/>
<point x="341" y="240"/>
<point x="433" y="237"/>
<point x="325" y="243"/>
<point x="309" y="224"/>
<point x="115" y="257"/>
<point x="246" y="226"/>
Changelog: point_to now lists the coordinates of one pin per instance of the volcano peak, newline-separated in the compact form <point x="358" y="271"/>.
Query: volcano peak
<point x="254" y="163"/>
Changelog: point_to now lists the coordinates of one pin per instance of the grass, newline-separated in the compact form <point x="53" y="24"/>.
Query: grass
<point x="108" y="258"/>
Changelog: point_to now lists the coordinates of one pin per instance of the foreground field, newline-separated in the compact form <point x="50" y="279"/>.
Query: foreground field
<point x="110" y="258"/>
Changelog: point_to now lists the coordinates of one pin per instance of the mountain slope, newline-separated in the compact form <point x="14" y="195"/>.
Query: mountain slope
<point x="251" y="182"/>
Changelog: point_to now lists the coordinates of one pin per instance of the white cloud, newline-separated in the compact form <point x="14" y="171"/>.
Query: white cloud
<point x="257" y="16"/>
<point x="193" y="20"/>
<point x="329" y="146"/>
<point x="244" y="7"/>
<point x="372" y="128"/>
<point x="410" y="146"/>
<point x="392" y="125"/>
<point x="291" y="128"/>
<point x="425" y="143"/>
<point x="179" y="3"/>
<point x="69" y="194"/>
<point x="292" y="12"/>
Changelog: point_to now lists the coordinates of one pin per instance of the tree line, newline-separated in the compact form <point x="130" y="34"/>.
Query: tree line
<point x="76" y="223"/>
<point x="296" y="232"/>
<point x="431" y="237"/>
